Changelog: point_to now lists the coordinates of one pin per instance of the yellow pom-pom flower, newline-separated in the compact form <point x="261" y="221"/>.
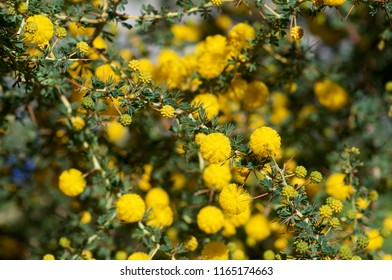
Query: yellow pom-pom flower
<point x="157" y="197"/>
<point x="71" y="182"/>
<point x="83" y="47"/>
<point x="48" y="257"/>
<point x="160" y="216"/>
<point x="296" y="33"/>
<point x="375" y="240"/>
<point x="335" y="204"/>
<point x="78" y="123"/>
<point x="209" y="102"/>
<point x="191" y="243"/>
<point x="134" y="65"/>
<point x="265" y="141"/>
<point x="234" y="200"/>
<point x="256" y="96"/>
<point x="85" y="217"/>
<point x="167" y="111"/>
<point x="337" y="188"/>
<point x="362" y="203"/>
<point x="258" y="228"/>
<point x="330" y="95"/>
<point x="215" y="251"/>
<point x="215" y="147"/>
<point x="130" y="208"/>
<point x="216" y="2"/>
<point x="210" y="219"/>
<point x="325" y="211"/>
<point x="38" y="30"/>
<point x="216" y="176"/>
<point x="139" y="256"/>
<point x="334" y="2"/>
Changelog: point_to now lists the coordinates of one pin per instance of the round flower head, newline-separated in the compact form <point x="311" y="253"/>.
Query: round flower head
<point x="264" y="141"/>
<point x="217" y="176"/>
<point x="215" y="251"/>
<point x="375" y="240"/>
<point x="234" y="200"/>
<point x="38" y="29"/>
<point x="48" y="257"/>
<point x="160" y="216"/>
<point x="209" y="102"/>
<point x="337" y="188"/>
<point x="325" y="211"/>
<point x="210" y="219"/>
<point x="78" y="123"/>
<point x="335" y="204"/>
<point x="215" y="147"/>
<point x="216" y="2"/>
<point x="240" y="219"/>
<point x="296" y="33"/>
<point x="238" y="37"/>
<point x="71" y="182"/>
<point x="139" y="256"/>
<point x="157" y="197"/>
<point x="334" y="2"/>
<point x="258" y="227"/>
<point x="167" y="111"/>
<point x="83" y="47"/>
<point x="256" y="95"/>
<point x="134" y="65"/>
<point x="330" y="95"/>
<point x="191" y="243"/>
<point x="130" y="208"/>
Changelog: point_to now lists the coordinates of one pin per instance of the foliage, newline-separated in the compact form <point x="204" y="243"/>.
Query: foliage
<point x="128" y="100"/>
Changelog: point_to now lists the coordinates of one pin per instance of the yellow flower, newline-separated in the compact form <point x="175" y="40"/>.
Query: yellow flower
<point x="215" y="147"/>
<point x="288" y="192"/>
<point x="160" y="216"/>
<point x="38" y="30"/>
<point x="130" y="208"/>
<point x="121" y="255"/>
<point x="334" y="2"/>
<point x="296" y="33"/>
<point x="199" y="138"/>
<point x="239" y="36"/>
<point x="208" y="102"/>
<point x="49" y="257"/>
<point x="240" y="219"/>
<point x="264" y="141"/>
<point x="210" y="219"/>
<point x="336" y="187"/>
<point x="216" y="2"/>
<point x="362" y="203"/>
<point x="185" y="32"/>
<point x="157" y="197"/>
<point x="117" y="133"/>
<point x="71" y="182"/>
<point x="139" y="256"/>
<point x="215" y="251"/>
<point x="85" y="217"/>
<point x="217" y="176"/>
<point x="106" y="73"/>
<point x="238" y="89"/>
<point x="212" y="56"/>
<point x="234" y="200"/>
<point x="375" y="240"/>
<point x="78" y="123"/>
<point x="256" y="96"/>
<point x="330" y="95"/>
<point x="167" y="111"/>
<point x="258" y="227"/>
<point x="83" y="47"/>
<point x="335" y="204"/>
<point x="134" y="65"/>
<point x="325" y="211"/>
<point x="191" y="243"/>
